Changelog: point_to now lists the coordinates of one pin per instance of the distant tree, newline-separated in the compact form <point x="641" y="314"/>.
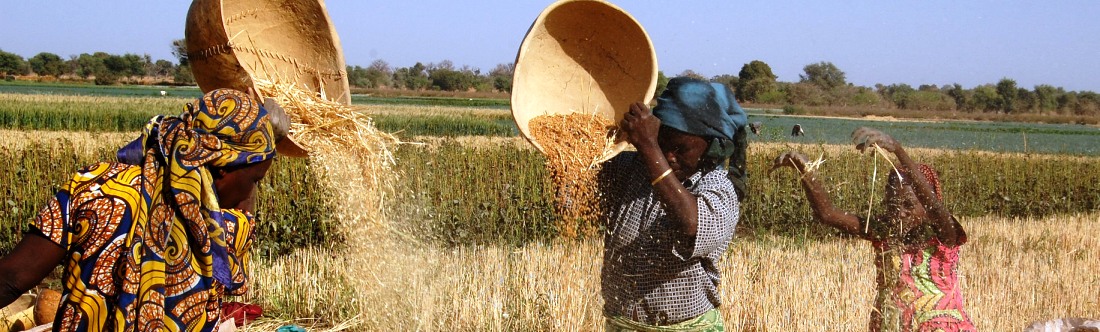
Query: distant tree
<point x="1088" y="104"/>
<point x="501" y="76"/>
<point x="357" y="77"/>
<point x="162" y="68"/>
<point x="47" y="64"/>
<point x="692" y="74"/>
<point x="13" y="64"/>
<point x="662" y="83"/>
<point x="727" y="79"/>
<point x="179" y="50"/>
<point x="960" y="95"/>
<point x="901" y="95"/>
<point x="1026" y="101"/>
<point x="755" y="80"/>
<point x="1047" y="97"/>
<point x="803" y="93"/>
<point x="412" y="78"/>
<point x="1006" y="88"/>
<point x="864" y="96"/>
<point x="986" y="98"/>
<point x="823" y="74"/>
<point x="183" y="75"/>
<point x="928" y="88"/>
<point x="446" y="78"/>
<point x="136" y="65"/>
<point x="1067" y="102"/>
<point x="379" y="74"/>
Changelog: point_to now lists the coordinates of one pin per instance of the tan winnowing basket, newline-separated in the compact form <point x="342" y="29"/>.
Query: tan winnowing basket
<point x="230" y="43"/>
<point x="582" y="56"/>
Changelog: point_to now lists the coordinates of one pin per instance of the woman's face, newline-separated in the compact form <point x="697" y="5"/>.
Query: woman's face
<point x="682" y="150"/>
<point x="237" y="185"/>
<point x="902" y="204"/>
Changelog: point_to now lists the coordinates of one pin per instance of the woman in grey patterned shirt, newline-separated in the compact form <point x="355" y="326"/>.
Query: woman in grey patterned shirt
<point x="671" y="210"/>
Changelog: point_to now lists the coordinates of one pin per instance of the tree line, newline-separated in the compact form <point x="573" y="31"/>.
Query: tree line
<point x="820" y="84"/>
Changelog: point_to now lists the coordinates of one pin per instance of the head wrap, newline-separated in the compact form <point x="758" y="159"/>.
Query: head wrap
<point x="226" y="128"/>
<point x="704" y="109"/>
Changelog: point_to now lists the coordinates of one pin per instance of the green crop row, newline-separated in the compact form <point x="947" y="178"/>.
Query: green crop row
<point x="446" y="126"/>
<point x="501" y="193"/>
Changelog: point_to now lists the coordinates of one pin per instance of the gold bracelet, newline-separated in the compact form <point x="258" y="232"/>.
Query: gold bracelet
<point x="662" y="177"/>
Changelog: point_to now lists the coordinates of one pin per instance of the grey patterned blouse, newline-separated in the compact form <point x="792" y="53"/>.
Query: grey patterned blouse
<point x="652" y="273"/>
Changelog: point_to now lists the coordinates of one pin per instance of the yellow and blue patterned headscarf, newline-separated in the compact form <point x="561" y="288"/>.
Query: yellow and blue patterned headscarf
<point x="226" y="128"/>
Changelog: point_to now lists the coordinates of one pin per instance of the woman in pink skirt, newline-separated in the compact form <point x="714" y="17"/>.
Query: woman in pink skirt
<point x="916" y="241"/>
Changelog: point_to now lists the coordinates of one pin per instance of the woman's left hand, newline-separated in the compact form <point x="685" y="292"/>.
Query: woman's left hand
<point x="639" y="126"/>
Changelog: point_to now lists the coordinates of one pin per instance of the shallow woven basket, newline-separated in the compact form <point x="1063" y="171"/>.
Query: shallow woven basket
<point x="582" y="56"/>
<point x="230" y="43"/>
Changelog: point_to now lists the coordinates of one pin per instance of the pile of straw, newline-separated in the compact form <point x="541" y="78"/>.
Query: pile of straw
<point x="356" y="160"/>
<point x="574" y="144"/>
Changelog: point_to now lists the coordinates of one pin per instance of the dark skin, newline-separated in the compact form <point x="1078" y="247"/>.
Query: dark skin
<point x="662" y="148"/>
<point x="911" y="203"/>
<point x="34" y="257"/>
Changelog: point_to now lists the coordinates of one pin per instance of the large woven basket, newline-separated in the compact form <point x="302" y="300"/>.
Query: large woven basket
<point x="232" y="42"/>
<point x="582" y="56"/>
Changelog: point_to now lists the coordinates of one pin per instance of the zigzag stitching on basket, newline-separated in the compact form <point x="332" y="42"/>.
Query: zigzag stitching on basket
<point x="229" y="47"/>
<point x="242" y="15"/>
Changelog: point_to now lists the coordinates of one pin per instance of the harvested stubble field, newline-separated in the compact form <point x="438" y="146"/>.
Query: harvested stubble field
<point x="472" y="247"/>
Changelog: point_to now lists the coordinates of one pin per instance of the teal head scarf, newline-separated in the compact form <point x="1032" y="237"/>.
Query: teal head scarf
<point x="704" y="109"/>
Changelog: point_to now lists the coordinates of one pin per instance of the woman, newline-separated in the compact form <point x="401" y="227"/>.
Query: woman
<point x="916" y="242"/>
<point x="155" y="244"/>
<point x="671" y="210"/>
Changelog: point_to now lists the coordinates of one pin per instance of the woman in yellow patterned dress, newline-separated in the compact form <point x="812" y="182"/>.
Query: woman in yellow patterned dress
<point x="154" y="242"/>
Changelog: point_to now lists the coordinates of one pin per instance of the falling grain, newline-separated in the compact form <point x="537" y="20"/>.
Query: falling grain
<point x="574" y="144"/>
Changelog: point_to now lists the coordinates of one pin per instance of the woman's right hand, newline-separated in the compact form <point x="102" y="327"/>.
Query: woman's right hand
<point x="792" y="159"/>
<point x="640" y="126"/>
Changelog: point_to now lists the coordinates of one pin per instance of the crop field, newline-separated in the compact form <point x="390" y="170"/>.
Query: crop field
<point x="469" y="242"/>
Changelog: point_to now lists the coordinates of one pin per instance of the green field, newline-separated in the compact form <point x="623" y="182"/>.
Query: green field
<point x="470" y="199"/>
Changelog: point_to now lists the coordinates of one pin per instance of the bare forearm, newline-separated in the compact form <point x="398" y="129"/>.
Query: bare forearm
<point x="925" y="193"/>
<point x="32" y="260"/>
<point x="677" y="200"/>
<point x="824" y="210"/>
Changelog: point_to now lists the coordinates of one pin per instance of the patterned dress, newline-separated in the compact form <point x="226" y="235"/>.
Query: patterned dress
<point x="149" y="247"/>
<point x="918" y="288"/>
<point x="93" y="219"/>
<point x="652" y="274"/>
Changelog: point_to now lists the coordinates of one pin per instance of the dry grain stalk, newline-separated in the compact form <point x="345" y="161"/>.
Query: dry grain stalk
<point x="574" y="143"/>
<point x="355" y="158"/>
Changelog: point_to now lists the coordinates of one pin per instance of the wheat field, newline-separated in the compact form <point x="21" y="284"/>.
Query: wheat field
<point x="1012" y="275"/>
<point x="1014" y="271"/>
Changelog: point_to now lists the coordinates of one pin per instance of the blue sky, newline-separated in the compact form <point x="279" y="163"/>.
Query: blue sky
<point x="912" y="42"/>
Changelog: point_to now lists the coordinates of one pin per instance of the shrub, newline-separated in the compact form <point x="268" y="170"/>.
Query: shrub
<point x="793" y="110"/>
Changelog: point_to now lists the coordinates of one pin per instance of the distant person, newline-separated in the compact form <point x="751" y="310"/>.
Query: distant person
<point x="916" y="241"/>
<point x="671" y="210"/>
<point x="797" y="130"/>
<point x="154" y="242"/>
<point x="756" y="127"/>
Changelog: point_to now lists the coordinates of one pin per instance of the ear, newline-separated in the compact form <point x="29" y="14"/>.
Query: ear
<point x="217" y="172"/>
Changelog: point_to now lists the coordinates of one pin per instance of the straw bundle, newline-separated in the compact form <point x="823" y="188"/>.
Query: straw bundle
<point x="355" y="158"/>
<point x="574" y="144"/>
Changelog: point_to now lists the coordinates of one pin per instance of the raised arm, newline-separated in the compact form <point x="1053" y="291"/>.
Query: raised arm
<point x="824" y="210"/>
<point x="641" y="127"/>
<point x="947" y="228"/>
